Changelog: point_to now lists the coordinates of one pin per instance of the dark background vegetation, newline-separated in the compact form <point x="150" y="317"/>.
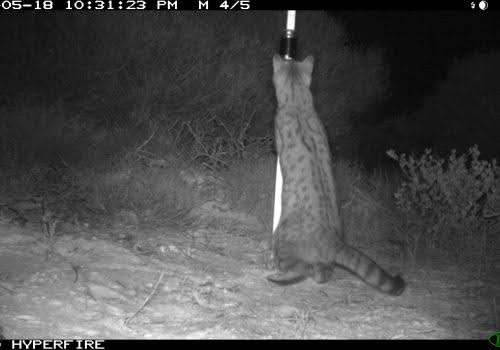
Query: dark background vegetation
<point x="97" y="84"/>
<point x="442" y="79"/>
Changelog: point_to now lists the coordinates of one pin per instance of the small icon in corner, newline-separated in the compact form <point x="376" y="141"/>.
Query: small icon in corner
<point x="483" y="5"/>
<point x="494" y="339"/>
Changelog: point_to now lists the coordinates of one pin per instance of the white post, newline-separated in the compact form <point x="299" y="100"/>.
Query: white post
<point x="278" y="186"/>
<point x="290" y="20"/>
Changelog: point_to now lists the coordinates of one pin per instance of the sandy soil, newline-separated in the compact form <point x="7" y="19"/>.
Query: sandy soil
<point x="118" y="280"/>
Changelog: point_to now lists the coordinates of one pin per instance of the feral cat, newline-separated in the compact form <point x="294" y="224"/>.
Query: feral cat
<point x="308" y="241"/>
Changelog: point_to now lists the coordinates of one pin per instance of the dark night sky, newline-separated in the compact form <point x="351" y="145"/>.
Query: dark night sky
<point x="420" y="45"/>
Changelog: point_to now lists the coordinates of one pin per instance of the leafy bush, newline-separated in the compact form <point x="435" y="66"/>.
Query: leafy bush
<point x="449" y="198"/>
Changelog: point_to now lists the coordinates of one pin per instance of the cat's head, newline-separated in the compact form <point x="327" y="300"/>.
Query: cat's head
<point x="288" y="71"/>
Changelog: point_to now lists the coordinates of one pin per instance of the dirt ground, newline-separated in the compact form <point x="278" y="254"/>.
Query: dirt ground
<point x="132" y="280"/>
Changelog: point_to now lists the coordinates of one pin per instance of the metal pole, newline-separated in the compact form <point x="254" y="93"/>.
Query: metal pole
<point x="288" y="48"/>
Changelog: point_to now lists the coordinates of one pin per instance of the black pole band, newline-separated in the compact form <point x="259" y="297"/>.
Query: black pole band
<point x="288" y="45"/>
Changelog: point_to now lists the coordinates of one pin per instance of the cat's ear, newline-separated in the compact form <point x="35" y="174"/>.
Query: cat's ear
<point x="308" y="64"/>
<point x="277" y="61"/>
